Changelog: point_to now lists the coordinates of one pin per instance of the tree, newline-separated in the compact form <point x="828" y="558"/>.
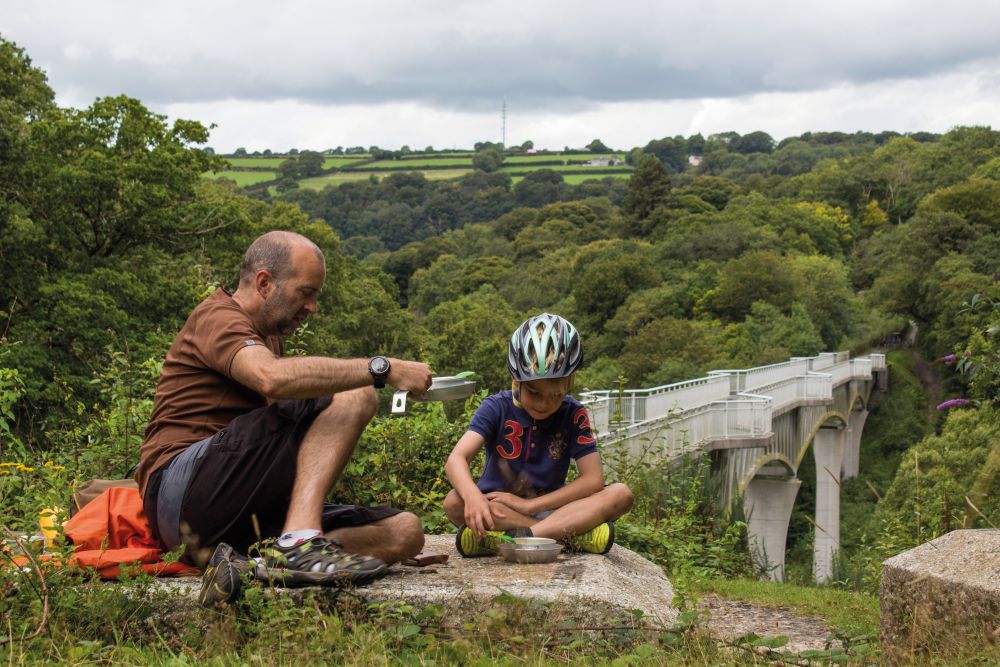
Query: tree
<point x="540" y="187"/>
<point x="605" y="273"/>
<point x="310" y="163"/>
<point x="471" y="334"/>
<point x="755" y="142"/>
<point x="756" y="276"/>
<point x="487" y="159"/>
<point x="648" y="188"/>
<point x="288" y="170"/>
<point x="671" y="151"/>
<point x="597" y="146"/>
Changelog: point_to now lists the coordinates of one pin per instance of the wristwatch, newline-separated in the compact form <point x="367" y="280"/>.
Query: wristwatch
<point x="379" y="368"/>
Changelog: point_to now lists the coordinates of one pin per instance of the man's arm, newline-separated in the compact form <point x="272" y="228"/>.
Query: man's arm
<point x="309" y="377"/>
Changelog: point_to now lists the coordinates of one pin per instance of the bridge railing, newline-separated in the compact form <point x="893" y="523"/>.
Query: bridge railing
<point x="745" y="417"/>
<point x="631" y="406"/>
<point x="793" y="391"/>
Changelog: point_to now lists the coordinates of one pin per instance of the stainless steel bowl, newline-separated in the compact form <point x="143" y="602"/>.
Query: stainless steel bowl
<point x="530" y="550"/>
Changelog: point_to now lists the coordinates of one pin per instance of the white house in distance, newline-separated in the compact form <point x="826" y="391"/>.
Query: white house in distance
<point x="604" y="162"/>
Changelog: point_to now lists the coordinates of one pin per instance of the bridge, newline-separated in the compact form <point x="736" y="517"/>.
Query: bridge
<point x="758" y="424"/>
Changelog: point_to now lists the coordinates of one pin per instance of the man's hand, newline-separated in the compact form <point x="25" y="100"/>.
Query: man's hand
<point x="516" y="503"/>
<point x="412" y="376"/>
<point x="479" y="514"/>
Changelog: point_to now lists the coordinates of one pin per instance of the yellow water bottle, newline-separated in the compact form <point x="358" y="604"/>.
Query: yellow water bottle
<point x="47" y="524"/>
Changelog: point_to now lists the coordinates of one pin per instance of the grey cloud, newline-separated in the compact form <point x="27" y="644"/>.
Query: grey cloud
<point x="548" y="57"/>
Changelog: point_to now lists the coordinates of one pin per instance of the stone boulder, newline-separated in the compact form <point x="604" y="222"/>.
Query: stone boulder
<point x="583" y="589"/>
<point x="942" y="594"/>
<point x="588" y="589"/>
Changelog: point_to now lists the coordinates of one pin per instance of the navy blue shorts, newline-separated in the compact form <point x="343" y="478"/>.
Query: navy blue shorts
<point x="235" y="486"/>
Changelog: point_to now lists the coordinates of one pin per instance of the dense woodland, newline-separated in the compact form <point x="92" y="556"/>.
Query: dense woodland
<point x="763" y="250"/>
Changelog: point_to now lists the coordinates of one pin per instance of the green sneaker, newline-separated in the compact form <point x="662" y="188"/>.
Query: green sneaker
<point x="597" y="540"/>
<point x="471" y="546"/>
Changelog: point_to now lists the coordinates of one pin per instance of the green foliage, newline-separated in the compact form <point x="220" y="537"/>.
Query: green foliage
<point x="675" y="520"/>
<point x="471" y="333"/>
<point x="648" y="188"/>
<point x="400" y="462"/>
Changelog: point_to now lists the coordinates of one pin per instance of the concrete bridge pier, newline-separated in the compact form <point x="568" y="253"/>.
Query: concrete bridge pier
<point x="768" y="503"/>
<point x="828" y="450"/>
<point x="852" y="448"/>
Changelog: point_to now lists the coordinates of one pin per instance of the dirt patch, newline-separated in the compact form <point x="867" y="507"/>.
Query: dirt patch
<point x="729" y="619"/>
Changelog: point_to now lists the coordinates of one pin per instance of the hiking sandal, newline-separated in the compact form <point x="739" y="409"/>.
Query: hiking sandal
<point x="318" y="561"/>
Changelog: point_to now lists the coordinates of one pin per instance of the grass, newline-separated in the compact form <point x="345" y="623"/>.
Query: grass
<point x="320" y="182"/>
<point x="528" y="159"/>
<point x="341" y="161"/>
<point x="575" y="178"/>
<point x="243" y="178"/>
<point x="256" y="162"/>
<point x="416" y="163"/>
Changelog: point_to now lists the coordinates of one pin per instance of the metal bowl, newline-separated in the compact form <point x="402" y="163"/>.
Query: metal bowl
<point x="447" y="388"/>
<point x="530" y="550"/>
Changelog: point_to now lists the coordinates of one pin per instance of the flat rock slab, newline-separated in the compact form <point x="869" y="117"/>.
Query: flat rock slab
<point x="944" y="591"/>
<point x="596" y="588"/>
<point x="587" y="589"/>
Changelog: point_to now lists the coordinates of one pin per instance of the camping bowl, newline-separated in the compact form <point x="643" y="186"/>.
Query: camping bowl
<point x="530" y="550"/>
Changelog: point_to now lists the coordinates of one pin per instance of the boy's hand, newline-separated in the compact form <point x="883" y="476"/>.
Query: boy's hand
<point x="516" y="503"/>
<point x="479" y="515"/>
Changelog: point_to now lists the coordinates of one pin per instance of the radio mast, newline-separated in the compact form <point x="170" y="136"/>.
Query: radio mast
<point x="503" y="123"/>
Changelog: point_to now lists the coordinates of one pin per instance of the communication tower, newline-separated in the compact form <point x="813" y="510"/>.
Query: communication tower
<point x="503" y="123"/>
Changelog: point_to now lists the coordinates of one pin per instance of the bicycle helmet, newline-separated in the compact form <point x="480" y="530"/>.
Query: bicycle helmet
<point x="544" y="347"/>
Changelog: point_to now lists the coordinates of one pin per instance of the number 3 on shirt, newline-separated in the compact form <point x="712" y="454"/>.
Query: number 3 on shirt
<point x="512" y="436"/>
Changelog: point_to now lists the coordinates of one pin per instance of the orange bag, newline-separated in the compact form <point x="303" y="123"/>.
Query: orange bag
<point x="112" y="530"/>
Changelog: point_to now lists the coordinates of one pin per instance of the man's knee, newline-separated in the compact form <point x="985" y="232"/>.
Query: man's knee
<point x="357" y="405"/>
<point x="408" y="534"/>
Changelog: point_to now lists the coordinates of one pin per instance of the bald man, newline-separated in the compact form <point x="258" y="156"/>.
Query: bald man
<point x="243" y="444"/>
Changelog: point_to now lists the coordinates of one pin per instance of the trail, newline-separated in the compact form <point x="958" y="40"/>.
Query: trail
<point x="925" y="372"/>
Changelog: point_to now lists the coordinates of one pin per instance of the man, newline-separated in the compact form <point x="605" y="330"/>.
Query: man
<point x="244" y="444"/>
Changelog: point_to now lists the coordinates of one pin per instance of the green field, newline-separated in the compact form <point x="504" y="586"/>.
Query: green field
<point x="320" y="182"/>
<point x="563" y="169"/>
<point x="256" y="162"/>
<point x="340" y="161"/>
<point x="422" y="162"/>
<point x="242" y="178"/>
<point x="437" y="156"/>
<point x="538" y="157"/>
<point x="576" y="179"/>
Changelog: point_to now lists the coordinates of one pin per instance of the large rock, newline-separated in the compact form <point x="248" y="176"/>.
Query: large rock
<point x="943" y="593"/>
<point x="589" y="588"/>
<point x="584" y="589"/>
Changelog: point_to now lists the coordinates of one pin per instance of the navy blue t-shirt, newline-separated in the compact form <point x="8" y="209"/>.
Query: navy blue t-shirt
<point x="527" y="457"/>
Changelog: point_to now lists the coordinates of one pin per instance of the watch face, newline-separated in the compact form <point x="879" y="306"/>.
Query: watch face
<point x="378" y="365"/>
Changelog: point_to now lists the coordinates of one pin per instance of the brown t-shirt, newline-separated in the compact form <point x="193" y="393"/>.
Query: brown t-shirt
<point x="197" y="395"/>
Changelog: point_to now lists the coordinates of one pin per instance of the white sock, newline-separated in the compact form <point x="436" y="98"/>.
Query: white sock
<point x="293" y="537"/>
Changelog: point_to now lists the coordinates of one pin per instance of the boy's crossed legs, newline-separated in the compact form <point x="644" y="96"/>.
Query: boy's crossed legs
<point x="573" y="518"/>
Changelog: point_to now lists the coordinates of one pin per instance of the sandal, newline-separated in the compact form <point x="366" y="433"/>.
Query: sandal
<point x="318" y="561"/>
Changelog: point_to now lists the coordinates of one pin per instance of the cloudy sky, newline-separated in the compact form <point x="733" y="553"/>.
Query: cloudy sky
<point x="318" y="74"/>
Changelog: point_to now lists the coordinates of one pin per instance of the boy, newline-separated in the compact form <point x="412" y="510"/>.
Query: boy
<point x="530" y="433"/>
